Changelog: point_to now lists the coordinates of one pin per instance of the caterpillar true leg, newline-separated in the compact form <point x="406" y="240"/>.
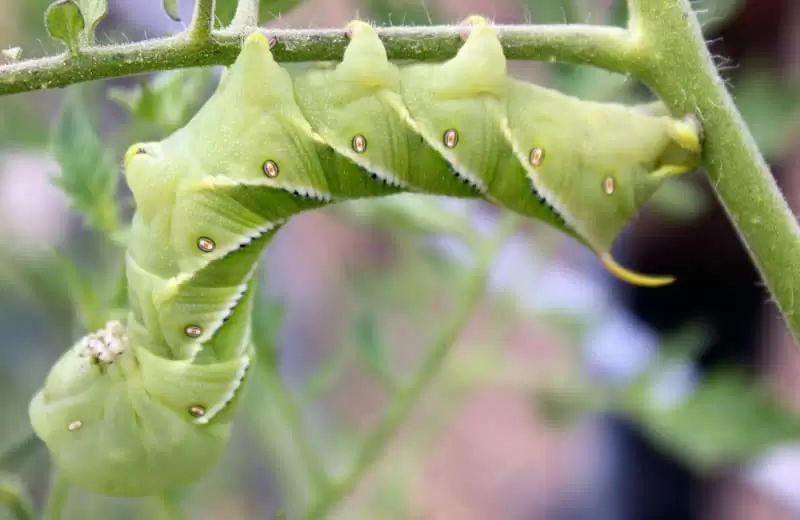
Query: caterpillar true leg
<point x="687" y="132"/>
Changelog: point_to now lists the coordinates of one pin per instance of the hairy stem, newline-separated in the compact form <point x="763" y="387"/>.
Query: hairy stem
<point x="405" y="398"/>
<point x="606" y="47"/>
<point x="246" y="14"/>
<point x="57" y="497"/>
<point x="202" y="20"/>
<point x="677" y="65"/>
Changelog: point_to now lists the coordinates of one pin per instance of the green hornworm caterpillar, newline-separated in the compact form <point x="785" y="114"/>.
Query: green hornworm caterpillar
<point x="139" y="408"/>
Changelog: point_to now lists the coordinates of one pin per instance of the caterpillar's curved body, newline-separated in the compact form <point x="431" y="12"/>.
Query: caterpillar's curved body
<point x="138" y="408"/>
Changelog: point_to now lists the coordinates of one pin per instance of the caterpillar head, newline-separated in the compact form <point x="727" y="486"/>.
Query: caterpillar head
<point x="153" y="175"/>
<point x="120" y="421"/>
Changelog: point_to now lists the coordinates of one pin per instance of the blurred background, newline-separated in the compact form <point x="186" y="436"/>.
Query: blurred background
<point x="569" y="396"/>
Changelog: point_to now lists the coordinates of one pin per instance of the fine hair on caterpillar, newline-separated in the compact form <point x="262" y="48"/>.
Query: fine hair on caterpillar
<point x="146" y="405"/>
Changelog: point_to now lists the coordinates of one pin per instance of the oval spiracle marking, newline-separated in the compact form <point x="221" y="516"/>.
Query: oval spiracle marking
<point x="75" y="425"/>
<point x="206" y="244"/>
<point x="270" y="169"/>
<point x="609" y="185"/>
<point x="193" y="331"/>
<point x="359" y="144"/>
<point x="450" y="138"/>
<point x="197" y="410"/>
<point x="537" y="157"/>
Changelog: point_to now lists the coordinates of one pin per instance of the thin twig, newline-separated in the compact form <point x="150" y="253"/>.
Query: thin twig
<point x="57" y="497"/>
<point x="404" y="400"/>
<point x="291" y="417"/>
<point x="202" y="20"/>
<point x="169" y="504"/>
<point x="246" y="14"/>
<point x="607" y="47"/>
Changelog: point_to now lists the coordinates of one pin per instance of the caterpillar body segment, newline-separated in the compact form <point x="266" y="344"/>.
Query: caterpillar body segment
<point x="112" y="415"/>
<point x="139" y="408"/>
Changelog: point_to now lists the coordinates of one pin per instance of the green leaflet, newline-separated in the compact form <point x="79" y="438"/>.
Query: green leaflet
<point x="93" y="12"/>
<point x="65" y="22"/>
<point x="88" y="173"/>
<point x="171" y="7"/>
<point x="139" y="408"/>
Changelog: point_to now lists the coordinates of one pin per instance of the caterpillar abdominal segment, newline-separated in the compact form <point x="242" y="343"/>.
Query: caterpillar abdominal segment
<point x="546" y="204"/>
<point x="467" y="180"/>
<point x="142" y="407"/>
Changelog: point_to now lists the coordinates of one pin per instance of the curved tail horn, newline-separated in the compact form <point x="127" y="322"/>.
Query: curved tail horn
<point x="632" y="277"/>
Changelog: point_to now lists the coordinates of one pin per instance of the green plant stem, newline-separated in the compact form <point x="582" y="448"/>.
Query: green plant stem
<point x="22" y="510"/>
<point x="677" y="65"/>
<point x="294" y="467"/>
<point x="288" y="410"/>
<point x="170" y="506"/>
<point x="57" y="497"/>
<point x="405" y="398"/>
<point x="246" y="14"/>
<point x="14" y="496"/>
<point x="607" y="47"/>
<point x="202" y="20"/>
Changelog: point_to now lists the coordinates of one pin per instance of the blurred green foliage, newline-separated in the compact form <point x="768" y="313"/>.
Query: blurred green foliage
<point x="14" y="496"/>
<point x="165" y="101"/>
<point x="88" y="173"/>
<point x="726" y="419"/>
<point x="772" y="110"/>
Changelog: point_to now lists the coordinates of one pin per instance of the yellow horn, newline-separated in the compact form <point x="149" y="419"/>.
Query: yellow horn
<point x="632" y="277"/>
